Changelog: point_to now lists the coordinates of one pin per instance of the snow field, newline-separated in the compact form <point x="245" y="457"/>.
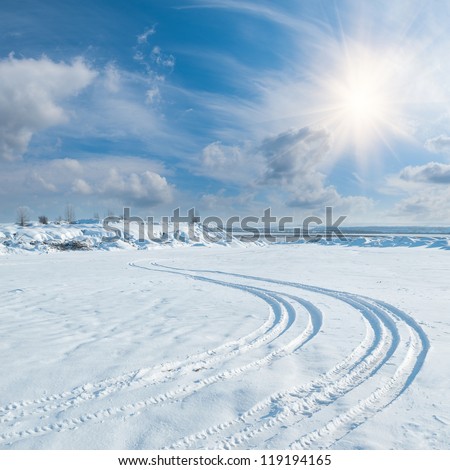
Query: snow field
<point x="265" y="347"/>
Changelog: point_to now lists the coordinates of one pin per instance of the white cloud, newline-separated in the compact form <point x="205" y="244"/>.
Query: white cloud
<point x="220" y="204"/>
<point x="82" y="187"/>
<point x="433" y="173"/>
<point x="156" y="64"/>
<point x="270" y="13"/>
<point x="229" y="163"/>
<point x="142" y="38"/>
<point x="152" y="95"/>
<point x="293" y="156"/>
<point x="293" y="161"/>
<point x="425" y="192"/>
<point x="440" y="144"/>
<point x="288" y="161"/>
<point x="40" y="180"/>
<point x="313" y="194"/>
<point x="288" y="165"/>
<point x="147" y="187"/>
<point x="103" y="182"/>
<point x="112" y="78"/>
<point x="161" y="59"/>
<point x="67" y="164"/>
<point x="293" y="164"/>
<point x="31" y="92"/>
<point x="432" y="206"/>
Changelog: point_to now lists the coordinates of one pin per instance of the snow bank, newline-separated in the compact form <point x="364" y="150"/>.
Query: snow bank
<point x="91" y="235"/>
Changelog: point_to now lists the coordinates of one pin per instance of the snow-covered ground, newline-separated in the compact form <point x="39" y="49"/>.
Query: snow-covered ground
<point x="239" y="347"/>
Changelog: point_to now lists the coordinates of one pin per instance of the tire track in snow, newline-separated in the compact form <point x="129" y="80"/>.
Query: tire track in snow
<point x="284" y="314"/>
<point x="306" y="401"/>
<point x="372" y="345"/>
<point x="383" y="396"/>
<point x="375" y="349"/>
<point x="296" y="402"/>
<point x="160" y="373"/>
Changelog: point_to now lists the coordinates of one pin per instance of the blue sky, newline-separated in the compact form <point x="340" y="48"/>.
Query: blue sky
<point x="228" y="106"/>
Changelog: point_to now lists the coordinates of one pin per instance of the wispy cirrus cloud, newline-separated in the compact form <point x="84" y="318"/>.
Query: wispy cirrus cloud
<point x="143" y="37"/>
<point x="260" y="9"/>
<point x="155" y="62"/>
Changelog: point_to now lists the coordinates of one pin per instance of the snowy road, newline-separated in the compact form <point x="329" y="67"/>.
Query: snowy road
<point x="165" y="352"/>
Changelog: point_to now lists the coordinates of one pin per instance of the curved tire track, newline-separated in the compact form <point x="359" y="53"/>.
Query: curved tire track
<point x="312" y="398"/>
<point x="282" y="317"/>
<point x="384" y="341"/>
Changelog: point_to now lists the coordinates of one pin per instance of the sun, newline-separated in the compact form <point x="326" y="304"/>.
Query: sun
<point x="358" y="99"/>
<point x="365" y="95"/>
<point x="362" y="103"/>
<point x="362" y="93"/>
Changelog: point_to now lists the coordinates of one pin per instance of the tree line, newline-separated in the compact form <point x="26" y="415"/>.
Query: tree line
<point x="23" y="216"/>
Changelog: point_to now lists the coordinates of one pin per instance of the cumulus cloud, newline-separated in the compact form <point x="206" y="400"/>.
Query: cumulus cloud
<point x="286" y="160"/>
<point x="289" y="164"/>
<point x="293" y="161"/>
<point x="66" y="164"/>
<point x="31" y="93"/>
<point x="426" y="206"/>
<point x="425" y="192"/>
<point x="105" y="181"/>
<point x="433" y="172"/>
<point x="314" y="194"/>
<point x="230" y="163"/>
<point x="440" y="144"/>
<point x="145" y="188"/>
<point x="295" y="155"/>
<point x="82" y="187"/>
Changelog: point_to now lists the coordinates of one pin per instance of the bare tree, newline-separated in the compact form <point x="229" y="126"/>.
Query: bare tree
<point x="43" y="219"/>
<point x="23" y="216"/>
<point x="70" y="214"/>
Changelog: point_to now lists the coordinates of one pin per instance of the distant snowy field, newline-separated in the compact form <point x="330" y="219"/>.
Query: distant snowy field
<point x="236" y="347"/>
